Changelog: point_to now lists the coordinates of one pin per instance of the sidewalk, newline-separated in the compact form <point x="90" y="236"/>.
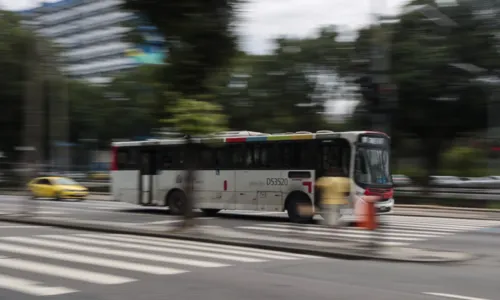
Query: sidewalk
<point x="400" y="210"/>
<point x="300" y="243"/>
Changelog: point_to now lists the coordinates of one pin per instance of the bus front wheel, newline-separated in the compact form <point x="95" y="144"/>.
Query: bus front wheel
<point x="295" y="203"/>
<point x="176" y="202"/>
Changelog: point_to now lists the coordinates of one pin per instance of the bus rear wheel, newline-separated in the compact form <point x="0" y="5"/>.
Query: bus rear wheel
<point x="294" y="205"/>
<point x="176" y="202"/>
<point x="210" y="211"/>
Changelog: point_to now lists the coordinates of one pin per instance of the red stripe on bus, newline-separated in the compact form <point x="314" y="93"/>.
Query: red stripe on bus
<point x="308" y="184"/>
<point x="236" y="140"/>
<point x="114" y="158"/>
<point x="225" y="185"/>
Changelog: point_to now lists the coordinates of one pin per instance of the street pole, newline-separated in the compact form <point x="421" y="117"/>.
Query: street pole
<point x="380" y="65"/>
<point x="32" y="145"/>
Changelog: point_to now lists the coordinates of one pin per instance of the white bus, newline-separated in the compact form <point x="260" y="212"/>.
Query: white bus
<point x="253" y="171"/>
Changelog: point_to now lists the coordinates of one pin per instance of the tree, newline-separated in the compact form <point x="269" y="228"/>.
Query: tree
<point x="194" y="117"/>
<point x="276" y="92"/>
<point x="436" y="100"/>
<point x="199" y="34"/>
<point x="23" y="84"/>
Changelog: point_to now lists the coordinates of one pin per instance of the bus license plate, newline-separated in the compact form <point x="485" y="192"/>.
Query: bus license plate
<point x="346" y="212"/>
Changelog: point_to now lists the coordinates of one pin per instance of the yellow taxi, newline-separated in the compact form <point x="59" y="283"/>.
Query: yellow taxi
<point x="57" y="187"/>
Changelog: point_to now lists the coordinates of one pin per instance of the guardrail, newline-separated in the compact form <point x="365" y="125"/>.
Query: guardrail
<point x="475" y="194"/>
<point x="447" y="190"/>
<point x="449" y="195"/>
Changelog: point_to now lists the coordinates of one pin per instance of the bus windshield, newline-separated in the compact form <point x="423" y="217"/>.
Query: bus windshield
<point x="372" y="166"/>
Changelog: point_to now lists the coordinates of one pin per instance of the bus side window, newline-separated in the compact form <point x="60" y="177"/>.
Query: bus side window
<point x="222" y="158"/>
<point x="272" y="156"/>
<point x="167" y="158"/>
<point x="249" y="156"/>
<point x="180" y="160"/>
<point x="206" y="158"/>
<point x="127" y="158"/>
<point x="287" y="152"/>
<point x="346" y="158"/>
<point x="305" y="153"/>
<point x="257" y="163"/>
<point x="122" y="158"/>
<point x="264" y="156"/>
<point x="237" y="155"/>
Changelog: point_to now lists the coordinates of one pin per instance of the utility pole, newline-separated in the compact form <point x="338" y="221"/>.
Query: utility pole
<point x="380" y="67"/>
<point x="33" y="119"/>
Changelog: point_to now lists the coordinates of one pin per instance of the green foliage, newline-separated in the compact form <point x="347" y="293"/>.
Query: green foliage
<point x="196" y="117"/>
<point x="421" y="66"/>
<point x="199" y="35"/>
<point x="19" y="67"/>
<point x="274" y="93"/>
<point x="464" y="161"/>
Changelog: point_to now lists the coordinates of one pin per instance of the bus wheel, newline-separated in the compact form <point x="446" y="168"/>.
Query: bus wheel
<point x="176" y="201"/>
<point x="295" y="203"/>
<point x="210" y="211"/>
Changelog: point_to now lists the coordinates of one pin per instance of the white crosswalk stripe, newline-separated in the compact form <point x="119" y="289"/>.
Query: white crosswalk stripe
<point x="111" y="259"/>
<point x="399" y="230"/>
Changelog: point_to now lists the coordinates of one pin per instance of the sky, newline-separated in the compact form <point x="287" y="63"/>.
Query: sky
<point x="261" y="21"/>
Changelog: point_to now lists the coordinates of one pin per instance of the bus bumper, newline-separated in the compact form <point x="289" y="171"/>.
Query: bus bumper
<point x="385" y="207"/>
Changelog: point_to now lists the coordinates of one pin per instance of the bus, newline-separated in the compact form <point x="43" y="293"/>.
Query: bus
<point x="253" y="171"/>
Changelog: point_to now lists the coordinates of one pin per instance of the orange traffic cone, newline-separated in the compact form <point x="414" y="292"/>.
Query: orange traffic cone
<point x="368" y="213"/>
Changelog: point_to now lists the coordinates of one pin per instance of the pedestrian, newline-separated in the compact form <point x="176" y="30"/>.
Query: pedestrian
<point x="334" y="189"/>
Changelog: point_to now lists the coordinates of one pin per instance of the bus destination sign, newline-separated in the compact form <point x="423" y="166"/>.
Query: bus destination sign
<point x="373" y="140"/>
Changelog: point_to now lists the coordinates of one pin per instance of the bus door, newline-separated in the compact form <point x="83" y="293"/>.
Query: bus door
<point x="147" y="175"/>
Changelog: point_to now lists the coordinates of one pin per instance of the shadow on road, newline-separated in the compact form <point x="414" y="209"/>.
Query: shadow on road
<point x="226" y="216"/>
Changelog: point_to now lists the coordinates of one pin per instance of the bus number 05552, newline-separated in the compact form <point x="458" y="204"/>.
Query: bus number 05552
<point x="277" y="181"/>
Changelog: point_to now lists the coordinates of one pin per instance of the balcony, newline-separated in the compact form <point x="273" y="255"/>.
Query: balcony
<point x="116" y="64"/>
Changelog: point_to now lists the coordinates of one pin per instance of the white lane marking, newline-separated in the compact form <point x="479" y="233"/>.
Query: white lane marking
<point x="454" y="296"/>
<point x="161" y="222"/>
<point x="437" y="226"/>
<point x="152" y="248"/>
<point x="74" y="220"/>
<point x="65" y="272"/>
<point x="107" y="251"/>
<point x="441" y="220"/>
<point x="432" y="228"/>
<point x="247" y="252"/>
<point x="19" y="226"/>
<point x="217" y="247"/>
<point x="32" y="288"/>
<point x="249" y="212"/>
<point x="91" y="260"/>
<point x="351" y="230"/>
<point x="353" y="235"/>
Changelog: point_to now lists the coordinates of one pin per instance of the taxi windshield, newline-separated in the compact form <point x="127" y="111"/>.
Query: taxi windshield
<point x="65" y="181"/>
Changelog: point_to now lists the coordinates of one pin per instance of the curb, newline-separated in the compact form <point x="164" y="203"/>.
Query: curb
<point x="338" y="254"/>
<point x="449" y="208"/>
<point x="463" y="217"/>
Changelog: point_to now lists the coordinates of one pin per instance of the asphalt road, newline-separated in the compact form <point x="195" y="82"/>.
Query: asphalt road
<point x="63" y="264"/>
<point x="478" y="236"/>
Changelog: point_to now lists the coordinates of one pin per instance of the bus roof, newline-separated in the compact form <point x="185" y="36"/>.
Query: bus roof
<point x="251" y="136"/>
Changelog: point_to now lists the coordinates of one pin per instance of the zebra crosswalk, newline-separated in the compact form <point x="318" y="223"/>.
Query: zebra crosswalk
<point x="397" y="231"/>
<point x="95" y="258"/>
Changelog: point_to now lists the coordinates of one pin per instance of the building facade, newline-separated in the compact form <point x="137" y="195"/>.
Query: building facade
<point x="91" y="35"/>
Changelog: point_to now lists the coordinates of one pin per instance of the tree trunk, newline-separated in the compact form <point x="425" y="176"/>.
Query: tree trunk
<point x="189" y="183"/>
<point x="431" y="149"/>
